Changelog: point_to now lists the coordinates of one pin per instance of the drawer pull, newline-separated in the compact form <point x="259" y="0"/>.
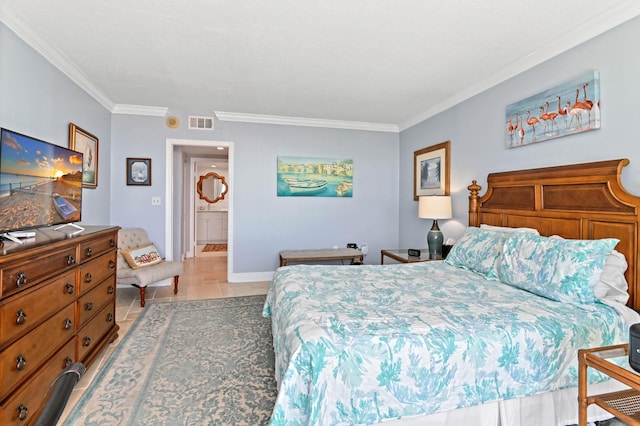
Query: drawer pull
<point x="67" y="324"/>
<point x="112" y="242"/>
<point x="21" y="317"/>
<point x="21" y="279"/>
<point x="88" y="277"/>
<point x="23" y="412"/>
<point x="67" y="362"/>
<point x="70" y="260"/>
<point x="21" y="363"/>
<point x="88" y="306"/>
<point x="87" y="341"/>
<point x="112" y="264"/>
<point x="70" y="288"/>
<point x="110" y="289"/>
<point x="109" y="317"/>
<point x="89" y="252"/>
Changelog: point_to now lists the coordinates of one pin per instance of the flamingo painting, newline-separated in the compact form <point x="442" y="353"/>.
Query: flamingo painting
<point x="532" y="121"/>
<point x="586" y="102"/>
<point x="578" y="103"/>
<point x="551" y="116"/>
<point x="521" y="132"/>
<point x="577" y="110"/>
<point x="512" y="128"/>
<point x="563" y="112"/>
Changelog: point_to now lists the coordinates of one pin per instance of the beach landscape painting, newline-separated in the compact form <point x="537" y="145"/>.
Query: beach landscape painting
<point x="567" y="109"/>
<point x="314" y="177"/>
<point x="40" y="183"/>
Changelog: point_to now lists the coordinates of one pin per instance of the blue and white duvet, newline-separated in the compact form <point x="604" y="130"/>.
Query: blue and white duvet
<point x="357" y="345"/>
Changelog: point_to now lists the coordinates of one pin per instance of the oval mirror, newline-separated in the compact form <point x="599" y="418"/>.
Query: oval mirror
<point x="212" y="187"/>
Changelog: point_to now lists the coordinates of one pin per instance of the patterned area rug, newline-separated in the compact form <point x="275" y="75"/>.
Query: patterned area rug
<point x="187" y="363"/>
<point x="215" y="247"/>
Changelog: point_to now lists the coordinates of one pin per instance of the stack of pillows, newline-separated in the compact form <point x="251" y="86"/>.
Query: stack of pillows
<point x="569" y="271"/>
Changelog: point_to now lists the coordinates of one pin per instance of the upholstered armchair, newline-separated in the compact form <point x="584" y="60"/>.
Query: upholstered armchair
<point x="142" y="270"/>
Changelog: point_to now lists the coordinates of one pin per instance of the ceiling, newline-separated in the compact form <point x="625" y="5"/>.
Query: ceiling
<point x="378" y="64"/>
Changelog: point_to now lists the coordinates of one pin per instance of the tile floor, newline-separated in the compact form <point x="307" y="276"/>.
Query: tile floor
<point x="205" y="277"/>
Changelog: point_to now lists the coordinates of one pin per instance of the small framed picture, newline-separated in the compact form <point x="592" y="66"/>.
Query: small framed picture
<point x="84" y="142"/>
<point x="431" y="170"/>
<point x="139" y="171"/>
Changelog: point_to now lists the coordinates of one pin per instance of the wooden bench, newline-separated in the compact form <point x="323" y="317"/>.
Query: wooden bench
<point x="319" y="255"/>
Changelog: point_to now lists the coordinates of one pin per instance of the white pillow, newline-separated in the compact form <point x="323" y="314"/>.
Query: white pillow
<point x="612" y="285"/>
<point x="507" y="229"/>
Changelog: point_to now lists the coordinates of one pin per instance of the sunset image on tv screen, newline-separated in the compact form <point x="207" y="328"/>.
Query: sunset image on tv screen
<point x="40" y="183"/>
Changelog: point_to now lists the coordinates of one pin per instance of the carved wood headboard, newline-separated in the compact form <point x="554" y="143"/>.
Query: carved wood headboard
<point x="578" y="201"/>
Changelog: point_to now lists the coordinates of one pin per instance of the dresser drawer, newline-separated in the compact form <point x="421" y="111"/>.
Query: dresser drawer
<point x="23" y="312"/>
<point x="26" y="355"/>
<point x="94" y="248"/>
<point x="18" y="276"/>
<point x="94" y="300"/>
<point x="27" y="400"/>
<point x="96" y="270"/>
<point x="90" y="335"/>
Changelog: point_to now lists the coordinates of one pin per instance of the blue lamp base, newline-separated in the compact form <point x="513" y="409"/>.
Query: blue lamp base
<point x="435" y="240"/>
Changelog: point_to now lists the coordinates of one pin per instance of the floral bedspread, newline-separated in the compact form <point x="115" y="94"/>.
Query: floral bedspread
<point x="360" y="344"/>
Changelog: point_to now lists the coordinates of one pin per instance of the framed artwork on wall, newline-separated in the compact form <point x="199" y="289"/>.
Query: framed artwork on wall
<point x="86" y="143"/>
<point x="431" y="170"/>
<point x="139" y="171"/>
<point x="567" y="109"/>
<point x="315" y="177"/>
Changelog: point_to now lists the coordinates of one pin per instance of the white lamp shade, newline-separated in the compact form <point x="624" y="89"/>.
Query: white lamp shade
<point x="434" y="207"/>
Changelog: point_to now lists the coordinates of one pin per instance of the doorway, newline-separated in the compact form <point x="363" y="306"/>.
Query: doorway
<point x="211" y="204"/>
<point x="180" y="213"/>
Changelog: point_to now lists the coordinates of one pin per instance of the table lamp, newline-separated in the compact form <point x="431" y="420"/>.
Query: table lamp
<point x="434" y="207"/>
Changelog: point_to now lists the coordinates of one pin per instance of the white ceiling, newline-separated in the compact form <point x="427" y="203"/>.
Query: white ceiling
<point x="337" y="62"/>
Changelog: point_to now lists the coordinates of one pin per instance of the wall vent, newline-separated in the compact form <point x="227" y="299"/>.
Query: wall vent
<point x="202" y="123"/>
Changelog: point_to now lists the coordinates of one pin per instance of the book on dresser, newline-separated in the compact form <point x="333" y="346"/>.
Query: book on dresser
<point x="57" y="307"/>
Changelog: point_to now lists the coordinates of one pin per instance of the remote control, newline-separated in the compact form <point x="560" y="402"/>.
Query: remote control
<point x="23" y="234"/>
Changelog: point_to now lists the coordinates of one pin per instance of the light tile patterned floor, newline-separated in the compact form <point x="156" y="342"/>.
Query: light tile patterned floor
<point x="205" y="277"/>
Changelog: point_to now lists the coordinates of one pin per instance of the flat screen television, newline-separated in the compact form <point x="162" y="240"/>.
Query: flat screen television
<point x="40" y="183"/>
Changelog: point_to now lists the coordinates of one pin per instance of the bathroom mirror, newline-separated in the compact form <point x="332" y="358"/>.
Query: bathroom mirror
<point x="212" y="187"/>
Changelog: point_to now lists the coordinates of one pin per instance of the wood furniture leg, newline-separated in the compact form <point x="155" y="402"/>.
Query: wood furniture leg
<point x="582" y="389"/>
<point x="142" y="293"/>
<point x="175" y="284"/>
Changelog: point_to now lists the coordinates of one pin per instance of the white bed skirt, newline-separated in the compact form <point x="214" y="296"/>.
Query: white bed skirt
<point x="557" y="408"/>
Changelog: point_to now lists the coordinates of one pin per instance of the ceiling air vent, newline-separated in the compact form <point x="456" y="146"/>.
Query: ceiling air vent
<point x="202" y="123"/>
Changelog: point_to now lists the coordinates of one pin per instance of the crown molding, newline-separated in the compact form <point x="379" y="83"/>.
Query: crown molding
<point x="614" y="17"/>
<point x="140" y="110"/>
<point x="11" y="19"/>
<point x="307" y="122"/>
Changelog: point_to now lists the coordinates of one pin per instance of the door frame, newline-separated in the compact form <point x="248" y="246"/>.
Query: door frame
<point x="173" y="225"/>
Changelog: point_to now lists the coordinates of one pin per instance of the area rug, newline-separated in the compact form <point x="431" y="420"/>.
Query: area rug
<point x="215" y="247"/>
<point x="187" y="363"/>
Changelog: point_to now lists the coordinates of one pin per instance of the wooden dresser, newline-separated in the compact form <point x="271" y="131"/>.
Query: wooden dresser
<point x="57" y="306"/>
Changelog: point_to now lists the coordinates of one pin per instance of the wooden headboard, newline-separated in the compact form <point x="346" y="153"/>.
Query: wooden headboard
<point x="578" y="201"/>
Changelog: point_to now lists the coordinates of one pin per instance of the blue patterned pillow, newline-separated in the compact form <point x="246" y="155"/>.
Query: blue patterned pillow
<point x="555" y="268"/>
<point x="478" y="250"/>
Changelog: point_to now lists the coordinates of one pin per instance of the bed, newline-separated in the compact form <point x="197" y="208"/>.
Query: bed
<point x="489" y="336"/>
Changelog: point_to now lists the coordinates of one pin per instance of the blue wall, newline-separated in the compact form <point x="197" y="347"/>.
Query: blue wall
<point x="36" y="99"/>
<point x="264" y="224"/>
<point x="476" y="128"/>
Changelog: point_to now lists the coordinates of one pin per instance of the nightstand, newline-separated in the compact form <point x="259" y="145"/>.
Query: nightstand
<point x="402" y="256"/>
<point x="625" y="404"/>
